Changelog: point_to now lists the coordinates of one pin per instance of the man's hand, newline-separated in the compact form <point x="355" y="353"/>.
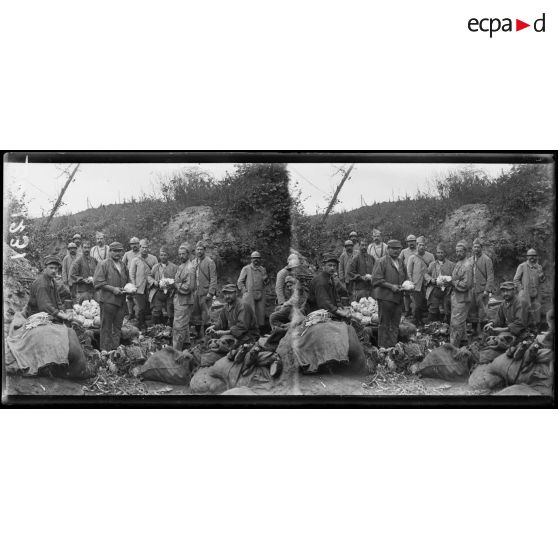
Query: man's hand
<point x="156" y="284"/>
<point x="89" y="280"/>
<point x="64" y="316"/>
<point x="210" y="329"/>
<point x="488" y="327"/>
<point x="395" y="288"/>
<point x="208" y="297"/>
<point x="117" y="291"/>
<point x="343" y="313"/>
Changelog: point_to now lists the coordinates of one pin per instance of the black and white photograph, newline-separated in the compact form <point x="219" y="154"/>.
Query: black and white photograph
<point x="360" y="277"/>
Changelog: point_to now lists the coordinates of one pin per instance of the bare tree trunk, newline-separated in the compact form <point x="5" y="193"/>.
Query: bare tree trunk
<point x="334" y="198"/>
<point x="60" y="196"/>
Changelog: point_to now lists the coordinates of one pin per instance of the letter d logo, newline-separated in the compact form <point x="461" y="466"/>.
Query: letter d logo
<point x="536" y="27"/>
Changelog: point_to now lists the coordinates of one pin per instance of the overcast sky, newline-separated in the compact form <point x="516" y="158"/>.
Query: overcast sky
<point x="99" y="183"/>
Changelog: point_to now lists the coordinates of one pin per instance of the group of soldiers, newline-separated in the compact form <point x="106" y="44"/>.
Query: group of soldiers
<point x="181" y="294"/>
<point x="440" y="289"/>
<point x="178" y="295"/>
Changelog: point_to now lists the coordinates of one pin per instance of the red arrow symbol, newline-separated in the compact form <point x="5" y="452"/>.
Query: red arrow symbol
<point x="519" y="25"/>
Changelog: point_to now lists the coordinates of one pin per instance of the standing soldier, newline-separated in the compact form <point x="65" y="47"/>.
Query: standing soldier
<point x="360" y="272"/>
<point x="161" y="298"/>
<point x="205" y="287"/>
<point x="127" y="260"/>
<point x="406" y="253"/>
<point x="183" y="299"/>
<point x="353" y="237"/>
<point x="417" y="267"/>
<point x="527" y="279"/>
<point x="388" y="276"/>
<point x="251" y="283"/>
<point x="462" y="283"/>
<point x="139" y="271"/>
<point x="82" y="273"/>
<point x="76" y="239"/>
<point x="345" y="266"/>
<point x="438" y="296"/>
<point x="377" y="249"/>
<point x="110" y="278"/>
<point x="483" y="285"/>
<point x="100" y="251"/>
<point x="67" y="262"/>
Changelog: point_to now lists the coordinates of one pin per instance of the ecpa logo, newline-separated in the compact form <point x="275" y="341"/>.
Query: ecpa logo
<point x="493" y="25"/>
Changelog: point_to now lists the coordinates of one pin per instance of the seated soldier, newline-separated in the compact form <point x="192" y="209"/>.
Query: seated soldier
<point x="513" y="314"/>
<point x="237" y="318"/>
<point x="281" y="318"/>
<point x="323" y="293"/>
<point x="45" y="292"/>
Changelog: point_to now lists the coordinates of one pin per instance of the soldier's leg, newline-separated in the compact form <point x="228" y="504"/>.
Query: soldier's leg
<point x="396" y="312"/>
<point x="181" y="326"/>
<point x="107" y="320"/>
<point x="117" y="325"/>
<point x="157" y="307"/>
<point x="458" y="325"/>
<point x="130" y="306"/>
<point x="170" y="310"/>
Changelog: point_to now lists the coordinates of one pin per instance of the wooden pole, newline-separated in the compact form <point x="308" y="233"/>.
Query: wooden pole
<point x="334" y="198"/>
<point x="60" y="196"/>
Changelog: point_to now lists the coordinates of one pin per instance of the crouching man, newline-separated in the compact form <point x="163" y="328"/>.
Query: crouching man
<point x="513" y="313"/>
<point x="237" y="318"/>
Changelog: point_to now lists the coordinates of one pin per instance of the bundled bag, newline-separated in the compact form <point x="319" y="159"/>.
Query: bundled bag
<point x="446" y="363"/>
<point x="168" y="365"/>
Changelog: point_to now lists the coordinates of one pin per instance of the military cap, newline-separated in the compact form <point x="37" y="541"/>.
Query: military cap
<point x="354" y="233"/>
<point x="200" y="244"/>
<point x="255" y="255"/>
<point x="77" y="235"/>
<point x="477" y="241"/>
<point x="421" y="239"/>
<point x="293" y="261"/>
<point x="376" y="232"/>
<point x="114" y="246"/>
<point x="51" y="259"/>
<point x="229" y="288"/>
<point x="349" y="243"/>
<point x="184" y="245"/>
<point x="507" y="286"/>
<point x="134" y="240"/>
<point x="410" y="237"/>
<point x="394" y="243"/>
<point x="462" y="243"/>
<point x="531" y="252"/>
<point x="330" y="258"/>
<point x="72" y="245"/>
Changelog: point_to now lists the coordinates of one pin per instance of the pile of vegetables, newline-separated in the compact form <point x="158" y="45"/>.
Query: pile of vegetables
<point x="87" y="314"/>
<point x="41" y="318"/>
<point x="365" y="311"/>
